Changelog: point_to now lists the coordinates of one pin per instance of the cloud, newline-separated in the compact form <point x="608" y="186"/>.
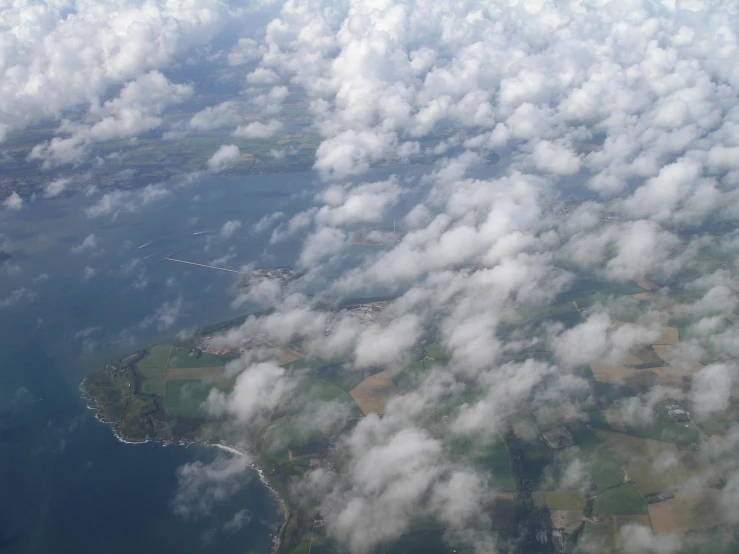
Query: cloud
<point x="318" y="246"/>
<point x="215" y="117"/>
<point x="555" y="158"/>
<point x="137" y="109"/>
<point x="258" y="130"/>
<point x="258" y="391"/>
<point x="267" y="222"/>
<point x="363" y="203"/>
<point x="391" y="477"/>
<point x="165" y="316"/>
<point x="245" y="50"/>
<point x="64" y="58"/>
<point x="127" y="201"/>
<point x="382" y="345"/>
<point x="638" y="538"/>
<point x="16" y="296"/>
<point x="13" y="202"/>
<point x="89" y="243"/>
<point x="229" y="228"/>
<point x="224" y="158"/>
<point x="711" y="390"/>
<point x="201" y="486"/>
<point x="507" y="387"/>
<point x="262" y="76"/>
<point x="56" y="187"/>
<point x="239" y="519"/>
<point x="598" y="338"/>
<point x="396" y="472"/>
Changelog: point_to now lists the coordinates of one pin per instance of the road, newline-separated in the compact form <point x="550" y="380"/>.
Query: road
<point x="202" y="265"/>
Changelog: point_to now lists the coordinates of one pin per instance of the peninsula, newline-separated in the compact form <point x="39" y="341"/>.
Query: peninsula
<point x="159" y="394"/>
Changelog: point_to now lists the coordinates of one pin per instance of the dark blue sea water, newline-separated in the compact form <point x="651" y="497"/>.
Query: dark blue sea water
<point x="66" y="484"/>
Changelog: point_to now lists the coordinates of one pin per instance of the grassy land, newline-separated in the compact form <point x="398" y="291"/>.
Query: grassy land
<point x="603" y="469"/>
<point x="155" y="359"/>
<point x="342" y="377"/>
<point x="621" y="500"/>
<point x="152" y="370"/>
<point x="289" y="436"/>
<point x="559" y="500"/>
<point x="185" y="397"/>
<point x="110" y="391"/>
<point x="180" y="358"/>
<point x="428" y="542"/>
<point x="492" y="459"/>
<point x="315" y="389"/>
<point x="663" y="429"/>
<point x="433" y="354"/>
<point x="113" y="389"/>
<point x="638" y="457"/>
<point x="596" y="538"/>
<point x="688" y="511"/>
<point x="154" y="384"/>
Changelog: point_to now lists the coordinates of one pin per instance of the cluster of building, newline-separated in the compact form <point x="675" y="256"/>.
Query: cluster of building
<point x="364" y="313"/>
<point x="246" y="343"/>
<point x="282" y="275"/>
<point x="677" y="413"/>
<point x="558" y="437"/>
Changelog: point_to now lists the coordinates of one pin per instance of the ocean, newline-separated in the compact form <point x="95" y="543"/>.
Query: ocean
<point x="68" y="303"/>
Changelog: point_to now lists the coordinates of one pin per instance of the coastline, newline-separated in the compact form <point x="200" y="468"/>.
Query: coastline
<point x="283" y="506"/>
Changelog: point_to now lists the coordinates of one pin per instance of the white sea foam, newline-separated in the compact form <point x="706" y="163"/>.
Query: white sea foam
<point x="263" y="479"/>
<point x="230" y="449"/>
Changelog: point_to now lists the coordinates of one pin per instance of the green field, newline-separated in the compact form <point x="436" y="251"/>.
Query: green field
<point x="154" y="384"/>
<point x="152" y="370"/>
<point x="596" y="538"/>
<point x="297" y="432"/>
<point x="314" y="389"/>
<point x="436" y="351"/>
<point x="495" y="460"/>
<point x="330" y="370"/>
<point x="638" y="457"/>
<point x="662" y="429"/>
<point x="603" y="469"/>
<point x="180" y="358"/>
<point x="319" y="546"/>
<point x="621" y="500"/>
<point x="407" y="379"/>
<point x="559" y="500"/>
<point x="428" y="542"/>
<point x="155" y="359"/>
<point x="492" y="459"/>
<point x="287" y="434"/>
<point x="183" y="398"/>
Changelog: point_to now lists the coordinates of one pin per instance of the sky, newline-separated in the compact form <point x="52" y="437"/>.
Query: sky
<point x="630" y="107"/>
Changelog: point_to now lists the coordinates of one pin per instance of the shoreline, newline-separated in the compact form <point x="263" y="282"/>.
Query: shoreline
<point x="283" y="506"/>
